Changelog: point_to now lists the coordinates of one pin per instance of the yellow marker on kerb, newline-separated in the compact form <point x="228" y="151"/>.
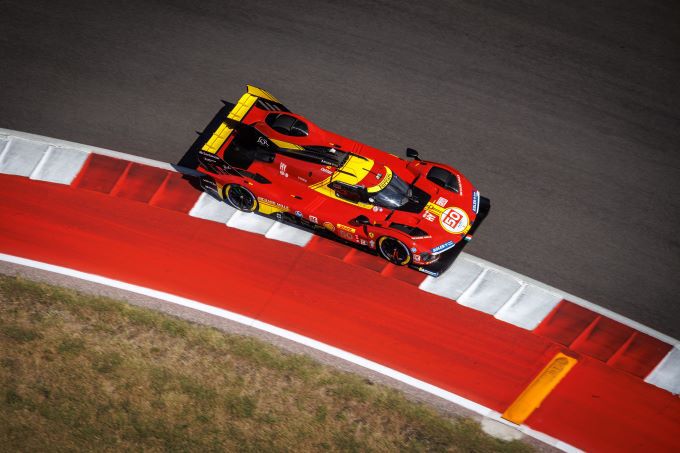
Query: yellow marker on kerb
<point x="532" y="396"/>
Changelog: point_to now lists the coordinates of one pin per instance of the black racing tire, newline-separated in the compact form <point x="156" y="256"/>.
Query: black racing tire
<point x="394" y="251"/>
<point x="240" y="197"/>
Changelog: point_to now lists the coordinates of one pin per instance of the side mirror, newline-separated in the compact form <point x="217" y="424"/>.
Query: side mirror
<point x="412" y="153"/>
<point x="361" y="220"/>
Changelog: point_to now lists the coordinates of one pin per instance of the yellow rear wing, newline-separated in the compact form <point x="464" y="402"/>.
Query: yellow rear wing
<point x="238" y="112"/>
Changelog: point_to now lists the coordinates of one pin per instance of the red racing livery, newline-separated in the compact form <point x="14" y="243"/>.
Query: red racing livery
<point x="260" y="157"/>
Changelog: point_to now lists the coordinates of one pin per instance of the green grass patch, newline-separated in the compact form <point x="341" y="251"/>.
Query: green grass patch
<point x="79" y="372"/>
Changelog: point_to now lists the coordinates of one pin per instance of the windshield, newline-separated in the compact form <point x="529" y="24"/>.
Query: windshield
<point x="395" y="194"/>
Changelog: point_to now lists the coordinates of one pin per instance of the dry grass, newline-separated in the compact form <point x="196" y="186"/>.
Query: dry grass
<point x="80" y="373"/>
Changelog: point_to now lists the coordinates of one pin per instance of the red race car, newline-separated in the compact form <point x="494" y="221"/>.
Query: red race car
<point x="260" y="157"/>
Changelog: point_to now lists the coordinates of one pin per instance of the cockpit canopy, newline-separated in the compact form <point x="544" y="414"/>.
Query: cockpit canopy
<point x="287" y="125"/>
<point x="397" y="194"/>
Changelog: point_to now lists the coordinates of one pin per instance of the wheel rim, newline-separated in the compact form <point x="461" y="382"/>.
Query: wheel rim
<point x="394" y="251"/>
<point x="241" y="198"/>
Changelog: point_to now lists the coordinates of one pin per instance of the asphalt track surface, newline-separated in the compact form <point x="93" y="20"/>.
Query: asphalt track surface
<point x="565" y="114"/>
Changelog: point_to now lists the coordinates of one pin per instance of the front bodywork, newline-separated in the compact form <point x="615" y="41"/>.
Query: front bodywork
<point x="301" y="173"/>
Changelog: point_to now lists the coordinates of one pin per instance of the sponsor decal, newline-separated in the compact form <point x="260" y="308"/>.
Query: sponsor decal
<point x="422" y="237"/>
<point x="363" y="242"/>
<point x="313" y="219"/>
<point x="298" y="214"/>
<point x="427" y="215"/>
<point x="263" y="141"/>
<point x="302" y="179"/>
<point x="414" y="250"/>
<point x="454" y="220"/>
<point x="442" y="247"/>
<point x="346" y="228"/>
<point x="282" y="169"/>
<point x="434" y="274"/>
<point x="416" y="258"/>
<point x="326" y="170"/>
<point x="434" y="209"/>
<point x="371" y="234"/>
<point x="382" y="184"/>
<point x="209" y="185"/>
<point x="475" y="201"/>
<point x="441" y="201"/>
<point x="273" y="203"/>
<point x="346" y="235"/>
<point x="460" y="186"/>
<point x="371" y="243"/>
<point x="376" y="208"/>
<point x="329" y="226"/>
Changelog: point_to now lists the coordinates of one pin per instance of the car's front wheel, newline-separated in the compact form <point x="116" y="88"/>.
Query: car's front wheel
<point x="240" y="198"/>
<point x="394" y="251"/>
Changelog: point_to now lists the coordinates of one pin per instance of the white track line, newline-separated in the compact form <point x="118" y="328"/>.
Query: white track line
<point x="292" y="336"/>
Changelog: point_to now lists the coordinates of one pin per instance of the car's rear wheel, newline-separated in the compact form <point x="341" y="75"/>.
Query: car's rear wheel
<point x="240" y="198"/>
<point x="394" y="251"/>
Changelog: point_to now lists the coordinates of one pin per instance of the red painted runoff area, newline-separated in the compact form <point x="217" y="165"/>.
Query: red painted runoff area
<point x="381" y="318"/>
<point x="350" y="307"/>
<point x="607" y="410"/>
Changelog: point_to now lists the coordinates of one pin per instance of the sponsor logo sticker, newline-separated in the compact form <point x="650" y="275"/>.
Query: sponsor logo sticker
<point x="434" y="274"/>
<point x="313" y="219"/>
<point x="454" y="220"/>
<point x="427" y="215"/>
<point x="346" y="228"/>
<point x="346" y="235"/>
<point x="273" y="203"/>
<point x="442" y="247"/>
<point x="475" y="201"/>
<point x="382" y="184"/>
<point x="441" y="202"/>
<point x="329" y="226"/>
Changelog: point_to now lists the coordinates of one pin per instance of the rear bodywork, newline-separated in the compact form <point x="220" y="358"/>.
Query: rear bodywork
<point x="336" y="186"/>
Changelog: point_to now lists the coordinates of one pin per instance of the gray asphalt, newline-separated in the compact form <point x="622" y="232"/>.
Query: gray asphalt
<point x="565" y="114"/>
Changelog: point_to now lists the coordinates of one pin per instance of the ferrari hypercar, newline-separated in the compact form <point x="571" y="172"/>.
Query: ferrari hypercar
<point x="260" y="157"/>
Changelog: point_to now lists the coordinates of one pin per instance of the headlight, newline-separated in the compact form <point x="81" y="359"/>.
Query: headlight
<point x="428" y="258"/>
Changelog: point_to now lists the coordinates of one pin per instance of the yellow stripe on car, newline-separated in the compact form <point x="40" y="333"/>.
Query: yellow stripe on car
<point x="269" y="207"/>
<point x="217" y="139"/>
<point x="240" y="110"/>
<point x="285" y="145"/>
<point x="354" y="170"/>
<point x="260" y="93"/>
<point x="382" y="184"/>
